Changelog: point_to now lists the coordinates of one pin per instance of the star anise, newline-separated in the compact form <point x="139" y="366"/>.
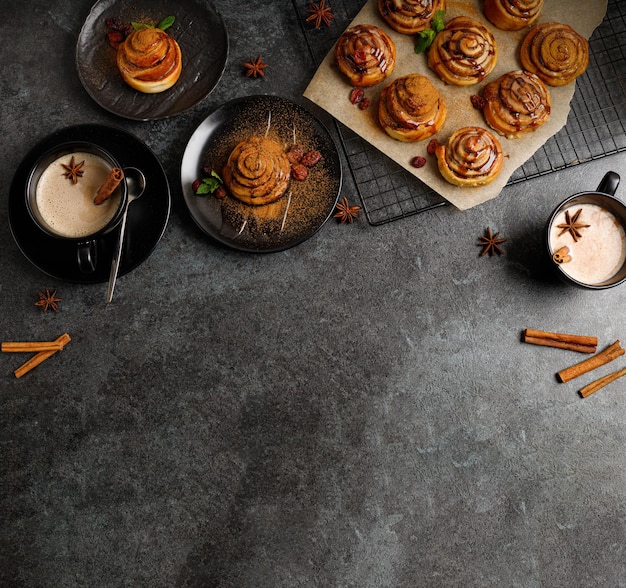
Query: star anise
<point x="255" y="67"/>
<point x="320" y="13"/>
<point x="346" y="213"/>
<point x="572" y="225"/>
<point x="48" y="300"/>
<point x="491" y="243"/>
<point x="73" y="170"/>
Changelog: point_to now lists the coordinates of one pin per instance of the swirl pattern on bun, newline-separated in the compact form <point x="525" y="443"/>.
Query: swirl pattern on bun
<point x="473" y="157"/>
<point x="512" y="15"/>
<point x="555" y="52"/>
<point x="411" y="109"/>
<point x="257" y="171"/>
<point x="516" y="103"/>
<point x="409" y="16"/>
<point x="365" y="54"/>
<point x="149" y="60"/>
<point x="464" y="53"/>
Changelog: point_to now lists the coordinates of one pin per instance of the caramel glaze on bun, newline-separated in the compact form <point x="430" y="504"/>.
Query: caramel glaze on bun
<point x="149" y="60"/>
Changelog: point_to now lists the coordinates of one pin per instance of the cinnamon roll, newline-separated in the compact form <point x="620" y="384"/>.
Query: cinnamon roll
<point x="516" y="103"/>
<point x="473" y="157"/>
<point x="411" y="109"/>
<point x="409" y="16"/>
<point x="257" y="171"/>
<point x="555" y="52"/>
<point x="365" y="54"/>
<point x="512" y="15"/>
<point x="463" y="53"/>
<point x="149" y="60"/>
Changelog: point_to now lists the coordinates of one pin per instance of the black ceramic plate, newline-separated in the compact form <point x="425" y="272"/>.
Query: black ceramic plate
<point x="198" y="29"/>
<point x="300" y="213"/>
<point x="147" y="216"/>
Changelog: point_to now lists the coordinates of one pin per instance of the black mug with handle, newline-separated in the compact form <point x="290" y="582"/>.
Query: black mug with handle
<point x="586" y="237"/>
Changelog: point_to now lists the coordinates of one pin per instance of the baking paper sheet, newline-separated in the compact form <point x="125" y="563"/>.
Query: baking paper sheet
<point x="330" y="90"/>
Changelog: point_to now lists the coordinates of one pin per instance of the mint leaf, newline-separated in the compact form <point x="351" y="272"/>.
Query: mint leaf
<point x="426" y="37"/>
<point x="166" y="23"/>
<point x="210" y="184"/>
<point x="141" y="25"/>
<point x="424" y="40"/>
<point x="438" y="23"/>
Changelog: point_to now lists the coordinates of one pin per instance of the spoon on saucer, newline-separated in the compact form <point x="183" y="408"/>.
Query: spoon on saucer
<point x="136" y="182"/>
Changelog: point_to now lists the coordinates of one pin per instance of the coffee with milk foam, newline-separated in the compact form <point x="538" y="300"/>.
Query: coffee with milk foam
<point x="68" y="209"/>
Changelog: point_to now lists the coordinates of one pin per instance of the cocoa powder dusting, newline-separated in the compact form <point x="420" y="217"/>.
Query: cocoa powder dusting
<point x="305" y="204"/>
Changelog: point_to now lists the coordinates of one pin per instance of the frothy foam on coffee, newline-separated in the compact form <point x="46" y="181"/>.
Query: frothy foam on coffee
<point x="68" y="209"/>
<point x="599" y="253"/>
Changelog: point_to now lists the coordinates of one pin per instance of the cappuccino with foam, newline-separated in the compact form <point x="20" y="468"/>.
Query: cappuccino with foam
<point x="65" y="208"/>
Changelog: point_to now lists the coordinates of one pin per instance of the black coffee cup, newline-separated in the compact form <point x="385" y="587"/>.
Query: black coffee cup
<point x="59" y="196"/>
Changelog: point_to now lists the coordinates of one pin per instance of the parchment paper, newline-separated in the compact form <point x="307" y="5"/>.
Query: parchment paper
<point x="330" y="90"/>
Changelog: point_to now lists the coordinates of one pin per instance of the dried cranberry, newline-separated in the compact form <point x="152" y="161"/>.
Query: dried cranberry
<point x="356" y="95"/>
<point x="294" y="155"/>
<point x="418" y="161"/>
<point x="478" y="101"/>
<point x="114" y="24"/>
<point x="115" y="38"/>
<point x="207" y="171"/>
<point x="220" y="192"/>
<point x="359" y="56"/>
<point x="432" y="146"/>
<point x="364" y="104"/>
<point x="311" y="158"/>
<point x="196" y="185"/>
<point x="299" y="172"/>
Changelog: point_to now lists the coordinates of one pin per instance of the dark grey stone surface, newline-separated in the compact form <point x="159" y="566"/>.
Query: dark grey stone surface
<point x="355" y="412"/>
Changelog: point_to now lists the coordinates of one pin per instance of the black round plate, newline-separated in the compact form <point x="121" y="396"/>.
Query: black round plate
<point x="147" y="216"/>
<point x="198" y="29"/>
<point x="298" y="214"/>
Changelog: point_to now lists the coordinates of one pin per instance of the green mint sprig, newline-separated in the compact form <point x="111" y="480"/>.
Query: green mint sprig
<point x="427" y="36"/>
<point x="166" y="23"/>
<point x="209" y="184"/>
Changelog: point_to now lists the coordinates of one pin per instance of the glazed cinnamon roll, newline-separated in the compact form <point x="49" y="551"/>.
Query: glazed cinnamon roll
<point x="409" y="16"/>
<point x="512" y="15"/>
<point x="555" y="52"/>
<point x="365" y="54"/>
<point x="149" y="60"/>
<point x="257" y="171"/>
<point x="473" y="157"/>
<point x="411" y="109"/>
<point x="463" y="53"/>
<point x="516" y="103"/>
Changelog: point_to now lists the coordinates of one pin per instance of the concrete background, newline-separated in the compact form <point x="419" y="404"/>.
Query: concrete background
<point x="357" y="411"/>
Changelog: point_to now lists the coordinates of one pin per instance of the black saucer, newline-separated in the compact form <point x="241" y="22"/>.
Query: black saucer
<point x="147" y="216"/>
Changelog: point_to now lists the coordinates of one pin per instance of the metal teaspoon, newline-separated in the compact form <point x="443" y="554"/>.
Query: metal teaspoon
<point x="136" y="185"/>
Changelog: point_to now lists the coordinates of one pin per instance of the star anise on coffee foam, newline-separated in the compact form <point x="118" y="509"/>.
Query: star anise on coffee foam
<point x="571" y="225"/>
<point x="73" y="170"/>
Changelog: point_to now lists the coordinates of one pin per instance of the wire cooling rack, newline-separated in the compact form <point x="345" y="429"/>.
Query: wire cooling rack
<point x="596" y="126"/>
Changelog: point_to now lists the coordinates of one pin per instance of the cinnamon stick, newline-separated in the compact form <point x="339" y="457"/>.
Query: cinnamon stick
<point x="601" y="383"/>
<point x="30" y="346"/>
<point x="40" y="357"/>
<point x="580" y="343"/>
<point x="110" y="184"/>
<point x="609" y="354"/>
<point x="560" y="345"/>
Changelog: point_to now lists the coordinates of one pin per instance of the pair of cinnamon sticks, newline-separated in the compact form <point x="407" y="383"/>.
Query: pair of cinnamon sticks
<point x="582" y="344"/>
<point x="42" y="349"/>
